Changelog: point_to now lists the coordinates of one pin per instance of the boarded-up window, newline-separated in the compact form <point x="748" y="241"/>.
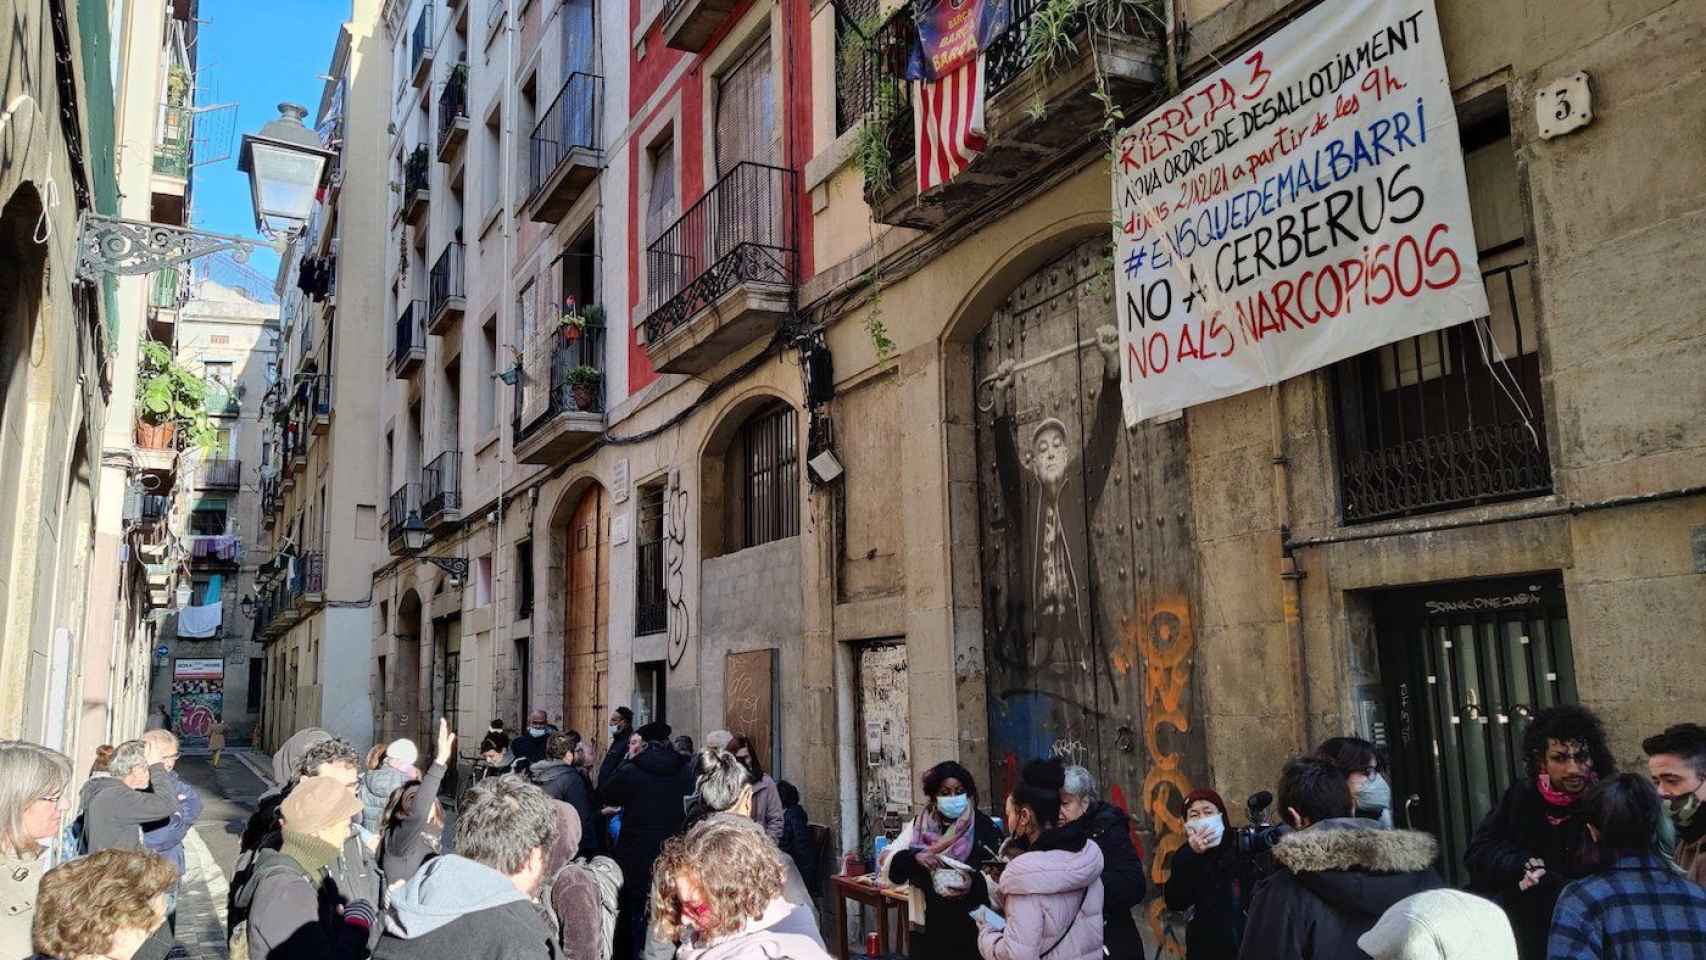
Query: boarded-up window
<point x="746" y="111"/>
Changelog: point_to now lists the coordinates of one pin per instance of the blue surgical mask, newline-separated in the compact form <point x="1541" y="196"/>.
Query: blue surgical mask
<point x="953" y="807"/>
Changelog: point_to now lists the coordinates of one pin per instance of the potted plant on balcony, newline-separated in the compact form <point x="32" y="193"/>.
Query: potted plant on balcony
<point x="575" y="320"/>
<point x="583" y="386"/>
<point x="170" y="399"/>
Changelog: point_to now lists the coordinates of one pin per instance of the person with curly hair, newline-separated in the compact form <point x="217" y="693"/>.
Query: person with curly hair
<point x="1536" y="840"/>
<point x="718" y="892"/>
<point x="110" y="905"/>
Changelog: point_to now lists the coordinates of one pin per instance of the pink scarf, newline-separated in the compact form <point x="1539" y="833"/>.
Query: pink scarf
<point x="1556" y="798"/>
<point x="955" y="841"/>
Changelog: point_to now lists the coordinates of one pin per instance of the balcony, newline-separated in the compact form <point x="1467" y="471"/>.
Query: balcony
<point x="221" y="400"/>
<point x="1036" y="113"/>
<point x="318" y="401"/>
<point x="723" y="275"/>
<point x="173" y="155"/>
<point x="215" y="551"/>
<point x="416" y="195"/>
<point x="166" y="290"/>
<point x="446" y="289"/>
<point x="689" y="24"/>
<point x="219" y="475"/>
<point x="453" y="112"/>
<point x="559" y="411"/>
<point x="564" y="156"/>
<point x="146" y="509"/>
<point x="406" y="500"/>
<point x="441" y="489"/>
<point x="409" y="350"/>
<point x="311" y="568"/>
<point x="297" y="450"/>
<point x="420" y="48"/>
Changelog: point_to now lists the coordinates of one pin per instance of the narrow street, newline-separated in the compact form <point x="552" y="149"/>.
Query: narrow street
<point x="228" y="795"/>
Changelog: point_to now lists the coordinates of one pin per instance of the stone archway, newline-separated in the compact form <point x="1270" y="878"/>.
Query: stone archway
<point x="586" y="619"/>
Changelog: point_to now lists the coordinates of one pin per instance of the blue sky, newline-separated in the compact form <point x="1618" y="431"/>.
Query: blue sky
<point x="258" y="54"/>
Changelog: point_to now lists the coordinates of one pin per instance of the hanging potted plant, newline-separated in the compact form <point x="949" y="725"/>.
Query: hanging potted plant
<point x="583" y="386"/>
<point x="572" y="322"/>
<point x="170" y="402"/>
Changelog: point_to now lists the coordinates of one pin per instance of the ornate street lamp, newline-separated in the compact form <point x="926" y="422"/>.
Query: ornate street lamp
<point x="415" y="539"/>
<point x="248" y="605"/>
<point x="286" y="164"/>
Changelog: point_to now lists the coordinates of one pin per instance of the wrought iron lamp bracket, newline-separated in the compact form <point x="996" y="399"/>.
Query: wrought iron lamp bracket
<point x="120" y="247"/>
<point x="457" y="567"/>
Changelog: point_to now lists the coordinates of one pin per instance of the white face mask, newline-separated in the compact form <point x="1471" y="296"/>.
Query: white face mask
<point x="614" y="729"/>
<point x="536" y="731"/>
<point x="1212" y="827"/>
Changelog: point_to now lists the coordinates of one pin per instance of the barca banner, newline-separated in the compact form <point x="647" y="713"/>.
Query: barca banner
<point x="952" y="33"/>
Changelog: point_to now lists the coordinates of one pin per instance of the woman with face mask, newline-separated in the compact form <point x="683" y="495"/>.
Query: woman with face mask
<point x="950" y="827"/>
<point x="1364" y="776"/>
<point x="1204" y="880"/>
<point x="1051" y="894"/>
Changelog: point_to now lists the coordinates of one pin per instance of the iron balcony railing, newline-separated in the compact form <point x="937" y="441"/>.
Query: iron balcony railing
<point x="166" y="291"/>
<point x="155" y="507"/>
<point x="220" y="400"/>
<point x="410" y="337"/>
<point x="855" y="23"/>
<point x="453" y="102"/>
<point x="317" y="394"/>
<point x="569" y="124"/>
<point x="415" y="171"/>
<point x="215" y="549"/>
<point x="441" y="484"/>
<point x="447" y="279"/>
<point x="312" y="566"/>
<point x="576" y="381"/>
<point x="742" y="230"/>
<point x="221" y="473"/>
<point x="420" y="41"/>
<point x="172" y="154"/>
<point x="1448" y="419"/>
<point x="405" y="500"/>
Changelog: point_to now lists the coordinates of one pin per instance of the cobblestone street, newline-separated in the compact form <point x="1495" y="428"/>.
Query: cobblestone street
<point x="228" y="794"/>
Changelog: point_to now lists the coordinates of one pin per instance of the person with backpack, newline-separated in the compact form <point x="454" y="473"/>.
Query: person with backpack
<point x="580" y="894"/>
<point x="412" y="826"/>
<point x="140" y="791"/>
<point x="32" y="786"/>
<point x="562" y="781"/>
<point x="377" y="785"/>
<point x="294" y="907"/>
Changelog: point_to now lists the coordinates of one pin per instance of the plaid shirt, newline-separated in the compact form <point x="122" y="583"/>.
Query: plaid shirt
<point x="1639" y="908"/>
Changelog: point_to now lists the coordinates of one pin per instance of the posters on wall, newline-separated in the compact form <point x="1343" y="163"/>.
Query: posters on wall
<point x="198" y="695"/>
<point x="1304" y="204"/>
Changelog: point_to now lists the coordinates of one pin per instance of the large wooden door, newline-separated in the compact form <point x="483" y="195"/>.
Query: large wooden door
<point x="1086" y="549"/>
<point x="586" y="648"/>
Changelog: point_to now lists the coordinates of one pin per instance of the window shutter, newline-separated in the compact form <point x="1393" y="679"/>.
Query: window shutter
<point x="660" y="207"/>
<point x="746" y="111"/>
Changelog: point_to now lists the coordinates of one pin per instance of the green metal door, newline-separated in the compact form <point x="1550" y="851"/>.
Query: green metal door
<point x="1466" y="666"/>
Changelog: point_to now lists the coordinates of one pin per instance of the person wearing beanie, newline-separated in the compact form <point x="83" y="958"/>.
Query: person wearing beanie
<point x="1050" y="896"/>
<point x="376" y="786"/>
<point x="1204" y="880"/>
<point x="1441" y="924"/>
<point x="292" y="901"/>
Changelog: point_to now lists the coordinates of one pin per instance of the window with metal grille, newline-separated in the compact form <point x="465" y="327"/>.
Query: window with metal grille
<point x="1454" y="418"/>
<point x="855" y="81"/>
<point x="770" y="473"/>
<point x="651" y="603"/>
<point x="208" y="521"/>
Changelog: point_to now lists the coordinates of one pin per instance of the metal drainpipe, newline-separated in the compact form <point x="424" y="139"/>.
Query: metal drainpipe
<point x="1291" y="578"/>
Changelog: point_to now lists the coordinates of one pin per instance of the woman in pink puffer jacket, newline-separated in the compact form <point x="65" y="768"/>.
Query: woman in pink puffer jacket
<point x="1051" y="895"/>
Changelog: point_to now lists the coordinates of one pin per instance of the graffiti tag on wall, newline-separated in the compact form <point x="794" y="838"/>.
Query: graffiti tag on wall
<point x="675" y="577"/>
<point x="194" y="705"/>
<point x="1165" y="645"/>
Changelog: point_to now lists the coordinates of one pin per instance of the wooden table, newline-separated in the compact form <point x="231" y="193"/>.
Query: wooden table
<point x="883" y="899"/>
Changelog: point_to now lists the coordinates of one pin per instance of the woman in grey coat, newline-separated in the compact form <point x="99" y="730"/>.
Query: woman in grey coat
<point x="767" y="809"/>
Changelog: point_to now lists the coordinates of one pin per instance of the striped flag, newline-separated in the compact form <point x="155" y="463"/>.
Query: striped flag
<point x="947" y="123"/>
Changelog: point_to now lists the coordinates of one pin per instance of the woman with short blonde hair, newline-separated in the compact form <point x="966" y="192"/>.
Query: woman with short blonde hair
<point x="110" y="904"/>
<point x="718" y="892"/>
<point x="32" y="780"/>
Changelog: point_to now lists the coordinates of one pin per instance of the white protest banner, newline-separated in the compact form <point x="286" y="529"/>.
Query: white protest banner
<point x="1303" y="204"/>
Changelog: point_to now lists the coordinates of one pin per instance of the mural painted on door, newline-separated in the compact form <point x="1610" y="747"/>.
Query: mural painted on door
<point x="1088" y="575"/>
<point x="586" y="647"/>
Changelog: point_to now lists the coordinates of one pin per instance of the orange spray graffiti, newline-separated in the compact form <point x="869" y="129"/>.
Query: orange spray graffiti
<point x="1166" y="644"/>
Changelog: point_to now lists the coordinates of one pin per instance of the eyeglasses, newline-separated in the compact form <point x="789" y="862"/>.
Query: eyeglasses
<point x="54" y="799"/>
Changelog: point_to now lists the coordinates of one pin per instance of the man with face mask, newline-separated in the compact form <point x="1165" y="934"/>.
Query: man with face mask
<point x="1050" y="498"/>
<point x="1357" y="758"/>
<point x="529" y="748"/>
<point x="620" y="728"/>
<point x="1676" y="759"/>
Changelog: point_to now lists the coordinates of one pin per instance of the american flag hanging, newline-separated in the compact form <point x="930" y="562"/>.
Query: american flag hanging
<point x="947" y="123"/>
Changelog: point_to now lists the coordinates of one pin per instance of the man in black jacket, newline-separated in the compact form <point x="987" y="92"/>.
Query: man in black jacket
<point x="562" y="781"/>
<point x="140" y="791"/>
<point x="529" y="748"/>
<point x="621" y="726"/>
<point x="648" y="786"/>
<point x="1536" y="841"/>
<point x="1337" y="874"/>
<point x="477" y="904"/>
<point x="1122" y="868"/>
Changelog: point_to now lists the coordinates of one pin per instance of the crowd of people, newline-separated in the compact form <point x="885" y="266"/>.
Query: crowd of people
<point x="667" y="851"/>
